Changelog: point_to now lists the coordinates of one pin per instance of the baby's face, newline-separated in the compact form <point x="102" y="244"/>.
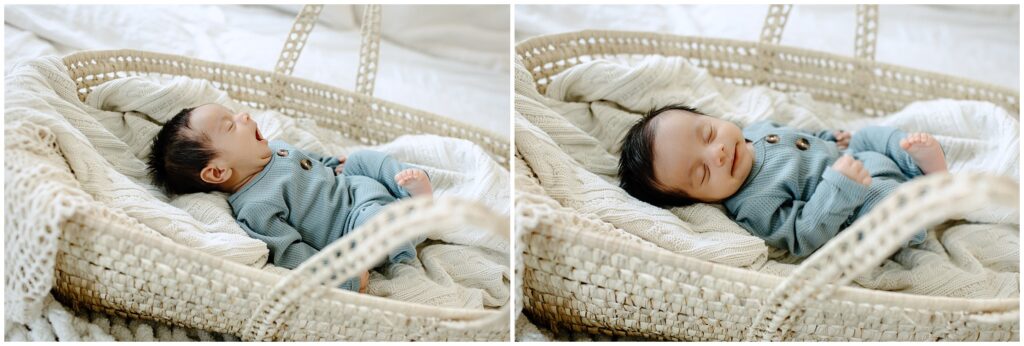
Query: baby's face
<point x="706" y="158"/>
<point x="234" y="135"/>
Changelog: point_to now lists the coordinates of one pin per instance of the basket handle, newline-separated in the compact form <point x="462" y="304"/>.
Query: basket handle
<point x="916" y="205"/>
<point x="369" y="50"/>
<point x="864" y="42"/>
<point x="304" y="23"/>
<point x="342" y="260"/>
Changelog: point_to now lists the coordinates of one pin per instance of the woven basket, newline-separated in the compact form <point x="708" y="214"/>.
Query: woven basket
<point x="106" y="264"/>
<point x="574" y="277"/>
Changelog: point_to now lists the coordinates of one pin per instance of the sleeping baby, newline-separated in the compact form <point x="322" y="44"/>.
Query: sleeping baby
<point x="792" y="188"/>
<point x="296" y="201"/>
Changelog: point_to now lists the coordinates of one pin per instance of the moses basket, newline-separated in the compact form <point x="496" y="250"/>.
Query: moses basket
<point x="574" y="278"/>
<point x="104" y="264"/>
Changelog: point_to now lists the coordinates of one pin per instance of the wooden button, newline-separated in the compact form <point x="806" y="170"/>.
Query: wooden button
<point x="306" y="164"/>
<point x="802" y="144"/>
<point x="282" y="152"/>
<point x="772" y="139"/>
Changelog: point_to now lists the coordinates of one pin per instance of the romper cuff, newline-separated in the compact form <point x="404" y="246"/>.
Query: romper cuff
<point x="332" y="162"/>
<point x="826" y="135"/>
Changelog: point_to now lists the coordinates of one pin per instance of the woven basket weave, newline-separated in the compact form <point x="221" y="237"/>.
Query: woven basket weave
<point x="105" y="264"/>
<point x="574" y="277"/>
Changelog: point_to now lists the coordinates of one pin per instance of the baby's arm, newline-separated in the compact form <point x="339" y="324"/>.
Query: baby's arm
<point x="287" y="250"/>
<point x="803" y="227"/>
<point x="329" y="161"/>
<point x="384" y="169"/>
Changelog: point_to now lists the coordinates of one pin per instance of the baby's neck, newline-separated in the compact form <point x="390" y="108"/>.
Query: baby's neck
<point x="235" y="184"/>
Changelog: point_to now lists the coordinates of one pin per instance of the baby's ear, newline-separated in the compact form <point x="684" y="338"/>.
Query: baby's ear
<point x="212" y="174"/>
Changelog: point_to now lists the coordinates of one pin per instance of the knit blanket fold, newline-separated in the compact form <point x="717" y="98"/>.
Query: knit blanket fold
<point x="571" y="138"/>
<point x="96" y="150"/>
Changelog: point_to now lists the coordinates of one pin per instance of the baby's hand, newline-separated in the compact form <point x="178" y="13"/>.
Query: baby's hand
<point x="853" y="169"/>
<point x="341" y="164"/>
<point x="364" y="281"/>
<point x="415" y="181"/>
<point x="842" y="139"/>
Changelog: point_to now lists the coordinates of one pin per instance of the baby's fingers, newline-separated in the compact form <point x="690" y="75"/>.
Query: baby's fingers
<point x="865" y="177"/>
<point x="844" y="163"/>
<point x="856" y="164"/>
<point x="863" y="174"/>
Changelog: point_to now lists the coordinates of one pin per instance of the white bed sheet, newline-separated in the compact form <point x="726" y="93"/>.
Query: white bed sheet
<point x="473" y="89"/>
<point x="975" y="42"/>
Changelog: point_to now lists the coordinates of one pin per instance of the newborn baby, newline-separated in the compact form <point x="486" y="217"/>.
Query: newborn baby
<point x="296" y="201"/>
<point x="791" y="188"/>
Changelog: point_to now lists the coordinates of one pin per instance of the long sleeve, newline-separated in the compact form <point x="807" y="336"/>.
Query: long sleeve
<point x="379" y="166"/>
<point x="826" y="135"/>
<point x="802" y="227"/>
<point x="329" y="161"/>
<point x="284" y="242"/>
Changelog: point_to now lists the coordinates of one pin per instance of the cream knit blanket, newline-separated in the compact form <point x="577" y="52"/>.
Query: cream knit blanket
<point x="104" y="142"/>
<point x="578" y="125"/>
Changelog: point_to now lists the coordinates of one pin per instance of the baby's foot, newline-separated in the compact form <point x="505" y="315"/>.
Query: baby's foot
<point x="926" y="151"/>
<point x="415" y="181"/>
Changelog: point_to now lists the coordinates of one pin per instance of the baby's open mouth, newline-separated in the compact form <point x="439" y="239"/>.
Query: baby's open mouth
<point x="259" y="137"/>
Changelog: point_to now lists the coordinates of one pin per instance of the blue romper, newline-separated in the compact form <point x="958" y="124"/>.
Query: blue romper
<point x="298" y="206"/>
<point x="794" y="200"/>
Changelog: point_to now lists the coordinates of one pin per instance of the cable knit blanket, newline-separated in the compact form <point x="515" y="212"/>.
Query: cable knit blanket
<point x="578" y="125"/>
<point x="105" y="139"/>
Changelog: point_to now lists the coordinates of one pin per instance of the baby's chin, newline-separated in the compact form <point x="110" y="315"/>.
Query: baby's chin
<point x="265" y="153"/>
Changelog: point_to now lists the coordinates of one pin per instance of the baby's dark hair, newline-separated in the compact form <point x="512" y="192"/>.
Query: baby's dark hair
<point x="636" y="163"/>
<point x="179" y="155"/>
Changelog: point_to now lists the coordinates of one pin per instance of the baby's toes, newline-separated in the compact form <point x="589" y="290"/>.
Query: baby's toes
<point x="911" y="138"/>
<point x="905" y="143"/>
<point x="419" y="175"/>
<point x="929" y="140"/>
<point x="922" y="138"/>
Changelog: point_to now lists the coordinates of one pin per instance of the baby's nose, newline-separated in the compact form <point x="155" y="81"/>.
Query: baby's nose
<point x="720" y="155"/>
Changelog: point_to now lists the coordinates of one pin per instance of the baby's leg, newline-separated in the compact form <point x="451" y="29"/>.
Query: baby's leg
<point x="885" y="178"/>
<point x="880" y="188"/>
<point x="404" y="253"/>
<point x="886" y="141"/>
<point x="926" y="151"/>
<point x="385" y="170"/>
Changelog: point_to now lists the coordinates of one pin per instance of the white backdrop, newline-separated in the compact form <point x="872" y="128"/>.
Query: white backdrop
<point x="449" y="60"/>
<point x="976" y="42"/>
